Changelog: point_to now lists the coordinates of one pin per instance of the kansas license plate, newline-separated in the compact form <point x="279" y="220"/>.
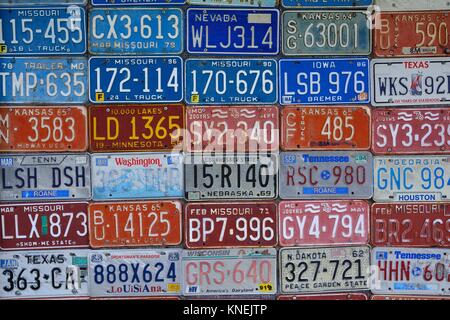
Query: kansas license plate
<point x="325" y="3"/>
<point x="235" y="3"/>
<point x="409" y="5"/>
<point x="324" y="81"/>
<point x="40" y="176"/>
<point x="136" y="2"/>
<point x="326" y="296"/>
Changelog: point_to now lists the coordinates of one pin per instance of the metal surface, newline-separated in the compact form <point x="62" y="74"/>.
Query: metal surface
<point x="234" y="3"/>
<point x="136" y="2"/>
<point x="325" y="3"/>
<point x="326" y="296"/>
<point x="411" y="5"/>
<point x="32" y="2"/>
<point x="392" y="297"/>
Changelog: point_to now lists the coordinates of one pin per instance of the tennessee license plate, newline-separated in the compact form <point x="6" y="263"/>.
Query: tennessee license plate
<point x="232" y="31"/>
<point x="230" y="272"/>
<point x="326" y="3"/>
<point x="44" y="177"/>
<point x="327" y="296"/>
<point x="235" y="3"/>
<point x="136" y="128"/>
<point x="408" y="5"/>
<point x="324" y="81"/>
<point x="135" y="2"/>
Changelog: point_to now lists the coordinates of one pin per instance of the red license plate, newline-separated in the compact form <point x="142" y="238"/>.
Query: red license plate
<point x="44" y="225"/>
<point x="411" y="131"/>
<point x="244" y="224"/>
<point x="323" y="222"/>
<point x="331" y="296"/>
<point x="392" y="297"/>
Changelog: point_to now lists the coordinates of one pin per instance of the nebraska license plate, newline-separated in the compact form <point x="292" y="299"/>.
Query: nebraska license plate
<point x="409" y="5"/>
<point x="45" y="177"/>
<point x="325" y="3"/>
<point x="327" y="296"/>
<point x="136" y="2"/>
<point x="136" y="127"/>
<point x="234" y="3"/>
<point x="230" y="272"/>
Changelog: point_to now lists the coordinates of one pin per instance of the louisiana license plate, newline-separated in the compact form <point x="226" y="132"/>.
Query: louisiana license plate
<point x="326" y="3"/>
<point x="136" y="2"/>
<point x="235" y="3"/>
<point x="410" y="5"/>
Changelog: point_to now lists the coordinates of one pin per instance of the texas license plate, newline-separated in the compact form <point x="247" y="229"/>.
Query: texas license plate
<point x="40" y="176"/>
<point x="324" y="81"/>
<point x="304" y="270"/>
<point x="140" y="175"/>
<point x="132" y="79"/>
<point x="230" y="272"/>
<point x="136" y="2"/>
<point x="327" y="296"/>
<point x="326" y="3"/>
<point x="325" y="128"/>
<point x="136" y="128"/>
<point x="232" y="31"/>
<point x="326" y="175"/>
<point x="409" y="5"/>
<point x="235" y="3"/>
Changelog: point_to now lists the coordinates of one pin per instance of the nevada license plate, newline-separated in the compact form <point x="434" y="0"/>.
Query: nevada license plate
<point x="409" y="5"/>
<point x="230" y="176"/>
<point x="232" y="31"/>
<point x="411" y="178"/>
<point x="326" y="3"/>
<point x="140" y="175"/>
<point x="41" y="176"/>
<point x="230" y="272"/>
<point x="326" y="175"/>
<point x="136" y="128"/>
<point x="235" y="3"/>
<point x="324" y="81"/>
<point x="135" y="2"/>
<point x="327" y="296"/>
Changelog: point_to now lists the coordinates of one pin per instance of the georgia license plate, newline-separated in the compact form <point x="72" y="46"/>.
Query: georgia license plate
<point x="411" y="178"/>
<point x="325" y="128"/>
<point x="136" y="2"/>
<point x="324" y="81"/>
<point x="230" y="272"/>
<point x="134" y="273"/>
<point x="136" y="128"/>
<point x="418" y="130"/>
<point x="327" y="296"/>
<point x="234" y="3"/>
<point x="237" y="224"/>
<point x="304" y="223"/>
<point x="140" y="175"/>
<point x="231" y="129"/>
<point x="135" y="224"/>
<point x="232" y="31"/>
<point x="410" y="5"/>
<point x="142" y="79"/>
<point x="326" y="175"/>
<point x="44" y="274"/>
<point x="326" y="3"/>
<point x="230" y="176"/>
<point x="44" y="177"/>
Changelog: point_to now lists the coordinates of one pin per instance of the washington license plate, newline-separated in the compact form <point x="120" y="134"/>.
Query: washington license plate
<point x="410" y="5"/>
<point x="326" y="3"/>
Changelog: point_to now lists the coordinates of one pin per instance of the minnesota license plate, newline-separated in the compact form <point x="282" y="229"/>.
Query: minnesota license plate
<point x="136" y="2"/>
<point x="327" y="296"/>
<point x="409" y="5"/>
<point x="326" y="3"/>
<point x="235" y="3"/>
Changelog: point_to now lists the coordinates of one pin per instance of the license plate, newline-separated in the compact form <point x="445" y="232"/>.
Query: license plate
<point x="135" y="2"/>
<point x="329" y="296"/>
<point x="325" y="128"/>
<point x="330" y="32"/>
<point x="304" y="223"/>
<point x="44" y="225"/>
<point x="230" y="176"/>
<point x="231" y="129"/>
<point x="141" y="175"/>
<point x="326" y="3"/>
<point x="232" y="31"/>
<point x="135" y="128"/>
<point x="40" y="176"/>
<point x="304" y="270"/>
<point x="418" y="130"/>
<point x="409" y="5"/>
<point x="136" y="31"/>
<point x="324" y="81"/>
<point x="134" y="273"/>
<point x="411" y="178"/>
<point x="29" y="2"/>
<point x="392" y="297"/>
<point x="44" y="274"/>
<point x="235" y="3"/>
<point x="135" y="224"/>
<point x="43" y="80"/>
<point x="217" y="225"/>
<point x="405" y="82"/>
<point x="230" y="272"/>
<point x="326" y="175"/>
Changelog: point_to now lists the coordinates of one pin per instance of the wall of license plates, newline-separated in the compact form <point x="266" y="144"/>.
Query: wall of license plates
<point x="225" y="148"/>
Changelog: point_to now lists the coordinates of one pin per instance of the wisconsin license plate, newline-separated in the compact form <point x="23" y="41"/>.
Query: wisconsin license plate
<point x="327" y="296"/>
<point x="408" y="5"/>
<point x="136" y="2"/>
<point x="326" y="3"/>
<point x="235" y="3"/>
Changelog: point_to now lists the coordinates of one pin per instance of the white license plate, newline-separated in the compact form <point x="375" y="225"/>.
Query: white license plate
<point x="409" y="5"/>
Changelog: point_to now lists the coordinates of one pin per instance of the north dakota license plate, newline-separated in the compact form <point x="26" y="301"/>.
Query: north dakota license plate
<point x="326" y="296"/>
<point x="136" y="2"/>
<point x="325" y="3"/>
<point x="410" y="5"/>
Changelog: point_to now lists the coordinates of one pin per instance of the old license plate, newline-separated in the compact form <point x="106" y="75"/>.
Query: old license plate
<point x="392" y="297"/>
<point x="326" y="175"/>
<point x="326" y="3"/>
<point x="32" y="2"/>
<point x="56" y="80"/>
<point x="328" y="296"/>
<point x="232" y="31"/>
<point x="41" y="176"/>
<point x="135" y="224"/>
<point x="230" y="176"/>
<point x="304" y="223"/>
<point x="325" y="128"/>
<point x="231" y="129"/>
<point x="136" y="2"/>
<point x="411" y="178"/>
<point x="230" y="272"/>
<point x="324" y="81"/>
<point x="44" y="274"/>
<point x="140" y="175"/>
<point x="134" y="273"/>
<point x="135" y="128"/>
<point x="410" y="5"/>
<point x="244" y="224"/>
<point x="417" y="271"/>
<point x="235" y="3"/>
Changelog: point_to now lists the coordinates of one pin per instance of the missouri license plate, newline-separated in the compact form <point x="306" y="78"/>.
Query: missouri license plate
<point x="409" y="5"/>
<point x="325" y="3"/>
<point x="136" y="2"/>
<point x="327" y="296"/>
<point x="235" y="3"/>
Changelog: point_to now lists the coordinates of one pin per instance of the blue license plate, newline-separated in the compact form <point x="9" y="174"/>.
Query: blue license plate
<point x="136" y="31"/>
<point x="42" y="31"/>
<point x="326" y="3"/>
<point x="324" y="81"/>
<point x="135" y="79"/>
<point x="233" y="31"/>
<point x="235" y="3"/>
<point x="231" y="81"/>
<point x="136" y="2"/>
<point x="43" y="80"/>
<point x="32" y="2"/>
